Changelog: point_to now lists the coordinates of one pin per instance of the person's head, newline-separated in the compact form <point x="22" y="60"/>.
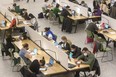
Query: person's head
<point x="14" y="4"/>
<point x="67" y="7"/>
<point x="42" y="62"/>
<point x="57" y="5"/>
<point x="114" y="4"/>
<point x="64" y="39"/>
<point x="47" y="29"/>
<point x="85" y="51"/>
<point x="45" y="0"/>
<point x="54" y="0"/>
<point x="26" y="46"/>
<point x="82" y="2"/>
<point x="31" y="15"/>
<point x="73" y="48"/>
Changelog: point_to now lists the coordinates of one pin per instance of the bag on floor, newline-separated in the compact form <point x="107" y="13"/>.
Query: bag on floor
<point x="89" y="40"/>
<point x="40" y="15"/>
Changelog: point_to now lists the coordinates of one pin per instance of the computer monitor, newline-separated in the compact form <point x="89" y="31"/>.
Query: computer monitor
<point x="51" y="62"/>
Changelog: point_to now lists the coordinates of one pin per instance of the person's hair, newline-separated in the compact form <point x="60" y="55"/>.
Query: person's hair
<point x="25" y="45"/>
<point x="85" y="49"/>
<point x="73" y="46"/>
<point x="63" y="38"/>
<point x="42" y="61"/>
<point x="14" y="4"/>
<point x="57" y="5"/>
<point x="114" y="4"/>
<point x="31" y="15"/>
<point x="54" y="0"/>
<point x="45" y="0"/>
<point x="82" y="2"/>
<point x="67" y="7"/>
<point x="47" y="28"/>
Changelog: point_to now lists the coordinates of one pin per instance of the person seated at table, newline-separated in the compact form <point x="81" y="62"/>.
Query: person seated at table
<point x="56" y="10"/>
<point x="93" y="28"/>
<point x="25" y="15"/>
<point x="65" y="44"/>
<point x="86" y="58"/>
<point x="9" y="44"/>
<point x="49" y="34"/>
<point x="66" y="21"/>
<point x="76" y="51"/>
<point x="97" y="11"/>
<point x="113" y="11"/>
<point x="24" y="54"/>
<point x="83" y="4"/>
<point x="33" y="22"/>
<point x="36" y="65"/>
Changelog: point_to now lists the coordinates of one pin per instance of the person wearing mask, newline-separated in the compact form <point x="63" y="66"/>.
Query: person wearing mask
<point x="93" y="28"/>
<point x="75" y="51"/>
<point x="83" y="4"/>
<point x="24" y="54"/>
<point x="113" y="11"/>
<point x="36" y="65"/>
<point x="56" y="10"/>
<point x="66" y="21"/>
<point x="104" y="8"/>
<point x="49" y="34"/>
<point x="65" y="44"/>
<point x="86" y="58"/>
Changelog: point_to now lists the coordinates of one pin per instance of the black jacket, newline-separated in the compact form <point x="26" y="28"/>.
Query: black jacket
<point x="66" y="47"/>
<point x="65" y="13"/>
<point x="76" y="53"/>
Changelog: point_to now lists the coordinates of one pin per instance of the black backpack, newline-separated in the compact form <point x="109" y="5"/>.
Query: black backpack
<point x="40" y="15"/>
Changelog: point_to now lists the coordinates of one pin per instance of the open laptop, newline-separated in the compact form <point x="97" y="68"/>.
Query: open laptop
<point x="51" y="62"/>
<point x="3" y="24"/>
<point x="34" y="52"/>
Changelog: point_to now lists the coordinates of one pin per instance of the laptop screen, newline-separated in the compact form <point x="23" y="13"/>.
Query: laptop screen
<point x="3" y="23"/>
<point x="51" y="61"/>
<point x="34" y="52"/>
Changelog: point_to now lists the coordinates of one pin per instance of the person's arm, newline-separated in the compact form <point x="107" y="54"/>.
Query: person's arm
<point x="90" y="60"/>
<point x="80" y="57"/>
<point x="27" y="55"/>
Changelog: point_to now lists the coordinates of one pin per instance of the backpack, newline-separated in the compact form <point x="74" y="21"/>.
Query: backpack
<point x="40" y="15"/>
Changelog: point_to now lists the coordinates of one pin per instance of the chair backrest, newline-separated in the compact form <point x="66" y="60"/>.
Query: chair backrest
<point x="61" y="18"/>
<point x="26" y="73"/>
<point x="52" y="16"/>
<point x="89" y="33"/>
<point x="43" y="9"/>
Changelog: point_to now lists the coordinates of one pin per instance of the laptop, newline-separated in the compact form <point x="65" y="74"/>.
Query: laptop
<point x="51" y="62"/>
<point x="3" y="23"/>
<point x="34" y="52"/>
<point x="71" y="65"/>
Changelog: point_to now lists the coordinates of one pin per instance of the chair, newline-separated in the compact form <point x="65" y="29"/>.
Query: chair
<point x="18" y="62"/>
<point x="43" y="9"/>
<point x="11" y="55"/>
<point x="61" y="18"/>
<point x="105" y="50"/>
<point x="98" y="39"/>
<point x="89" y="38"/>
<point x="52" y="17"/>
<point x="26" y="72"/>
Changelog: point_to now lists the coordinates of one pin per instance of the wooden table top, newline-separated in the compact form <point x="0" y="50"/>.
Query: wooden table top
<point x="8" y="22"/>
<point x="77" y="17"/>
<point x="92" y="17"/>
<point x="110" y="33"/>
<point x="55" y="69"/>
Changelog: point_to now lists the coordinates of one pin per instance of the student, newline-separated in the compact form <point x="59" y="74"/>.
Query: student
<point x="33" y="22"/>
<point x="97" y="11"/>
<point x="46" y="4"/>
<point x="113" y="11"/>
<point x="25" y="15"/>
<point x="88" y="58"/>
<point x="83" y="4"/>
<point x="56" y="10"/>
<point x="93" y="28"/>
<point x="65" y="44"/>
<point x="49" y="34"/>
<point x="67" y="23"/>
<point x="104" y="8"/>
<point x="76" y="51"/>
<point x="24" y="54"/>
<point x="36" y="65"/>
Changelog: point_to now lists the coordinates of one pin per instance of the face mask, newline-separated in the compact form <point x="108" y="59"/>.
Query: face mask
<point x="72" y="50"/>
<point x="85" y="54"/>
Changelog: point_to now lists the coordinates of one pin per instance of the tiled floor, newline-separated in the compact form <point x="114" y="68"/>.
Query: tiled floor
<point x="107" y="69"/>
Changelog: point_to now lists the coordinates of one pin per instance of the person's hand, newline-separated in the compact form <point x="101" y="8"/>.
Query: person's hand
<point x="75" y="60"/>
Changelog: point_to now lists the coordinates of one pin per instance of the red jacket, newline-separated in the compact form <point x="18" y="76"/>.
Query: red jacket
<point x="13" y="23"/>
